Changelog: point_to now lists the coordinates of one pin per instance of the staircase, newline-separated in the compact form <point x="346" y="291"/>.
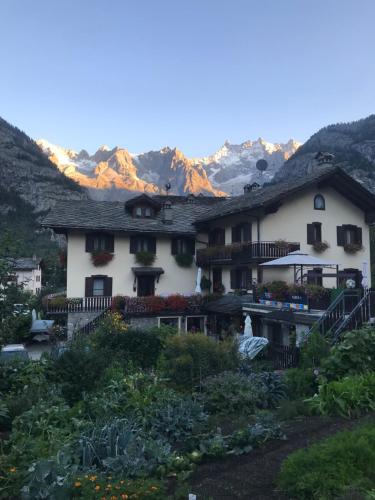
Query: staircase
<point x="92" y="325"/>
<point x="349" y="311"/>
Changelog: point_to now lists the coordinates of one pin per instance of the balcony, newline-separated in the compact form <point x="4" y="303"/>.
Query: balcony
<point x="244" y="253"/>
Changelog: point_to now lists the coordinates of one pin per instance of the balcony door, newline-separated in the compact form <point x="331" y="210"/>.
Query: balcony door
<point x="146" y="286"/>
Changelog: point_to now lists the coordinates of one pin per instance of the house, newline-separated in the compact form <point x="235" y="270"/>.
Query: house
<point x="132" y="249"/>
<point x="27" y="272"/>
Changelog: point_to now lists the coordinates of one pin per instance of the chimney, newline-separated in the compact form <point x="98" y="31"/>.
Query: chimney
<point x="247" y="189"/>
<point x="167" y="213"/>
<point x="324" y="158"/>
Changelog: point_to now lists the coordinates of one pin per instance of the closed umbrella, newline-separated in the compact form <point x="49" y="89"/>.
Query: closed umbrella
<point x="248" y="331"/>
<point x="199" y="279"/>
<point x="365" y="280"/>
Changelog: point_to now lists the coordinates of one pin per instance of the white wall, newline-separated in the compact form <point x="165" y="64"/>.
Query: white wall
<point x="30" y="279"/>
<point x="175" y="279"/>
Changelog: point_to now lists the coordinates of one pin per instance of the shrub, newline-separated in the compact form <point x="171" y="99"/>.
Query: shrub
<point x="331" y="468"/>
<point x="278" y="289"/>
<point x="145" y="258"/>
<point x="353" y="355"/>
<point x="289" y="409"/>
<point x="348" y="397"/>
<point x="15" y="329"/>
<point x="184" y="259"/>
<point x="232" y="392"/>
<point x="300" y="382"/>
<point x="314" y="350"/>
<point x="188" y="359"/>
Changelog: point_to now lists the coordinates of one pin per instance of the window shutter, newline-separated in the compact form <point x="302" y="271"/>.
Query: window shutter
<point x="89" y="287"/>
<point x="310" y="234"/>
<point x="89" y="242"/>
<point x="233" y="281"/>
<point x="235" y="234"/>
<point x="359" y="235"/>
<point x="340" y="236"/>
<point x="249" y="278"/>
<point x="174" y="248"/>
<point x="191" y="246"/>
<point x="109" y="243"/>
<point x="247" y="232"/>
<point x="151" y="244"/>
<point x="108" y="286"/>
<point x="133" y="244"/>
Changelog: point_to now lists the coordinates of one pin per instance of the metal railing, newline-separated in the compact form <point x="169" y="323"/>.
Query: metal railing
<point x="244" y="252"/>
<point x="360" y="315"/>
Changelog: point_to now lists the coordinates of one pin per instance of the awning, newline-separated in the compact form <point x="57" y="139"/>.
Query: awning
<point x="41" y="325"/>
<point x="298" y="258"/>
<point x="229" y="304"/>
<point x="148" y="271"/>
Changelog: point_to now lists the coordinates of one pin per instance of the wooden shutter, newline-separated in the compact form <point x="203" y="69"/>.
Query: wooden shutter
<point x="236" y="235"/>
<point x="249" y="278"/>
<point x="108" y="286"/>
<point x="174" y="247"/>
<point x="89" y="284"/>
<point x="359" y="235"/>
<point x="191" y="246"/>
<point x="89" y="242"/>
<point x="133" y="244"/>
<point x="233" y="279"/>
<point x="151" y="244"/>
<point x="340" y="236"/>
<point x="247" y="232"/>
<point x="310" y="234"/>
<point x="109" y="243"/>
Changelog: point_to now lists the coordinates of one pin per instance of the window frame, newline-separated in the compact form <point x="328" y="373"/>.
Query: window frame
<point x="95" y="279"/>
<point x="317" y="197"/>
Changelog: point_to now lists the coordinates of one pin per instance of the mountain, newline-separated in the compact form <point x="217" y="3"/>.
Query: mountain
<point x="30" y="185"/>
<point x="114" y="173"/>
<point x="353" y="147"/>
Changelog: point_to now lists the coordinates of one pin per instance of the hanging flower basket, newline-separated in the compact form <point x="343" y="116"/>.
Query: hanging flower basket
<point x="145" y="258"/>
<point x="320" y="246"/>
<point x="184" y="259"/>
<point x="353" y="247"/>
<point x="101" y="258"/>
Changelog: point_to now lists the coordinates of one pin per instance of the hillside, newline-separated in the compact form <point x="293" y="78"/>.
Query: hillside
<point x="352" y="144"/>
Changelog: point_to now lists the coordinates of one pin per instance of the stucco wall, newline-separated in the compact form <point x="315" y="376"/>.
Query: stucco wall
<point x="28" y="278"/>
<point x="175" y="279"/>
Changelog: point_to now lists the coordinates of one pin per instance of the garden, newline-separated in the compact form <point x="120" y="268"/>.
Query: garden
<point x="125" y="413"/>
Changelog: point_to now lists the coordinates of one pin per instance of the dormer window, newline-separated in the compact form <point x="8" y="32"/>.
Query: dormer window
<point x="143" y="212"/>
<point x="319" y="202"/>
<point x="142" y="206"/>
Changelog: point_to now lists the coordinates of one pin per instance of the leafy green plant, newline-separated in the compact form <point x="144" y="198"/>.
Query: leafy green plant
<point x="205" y="283"/>
<point x="145" y="258"/>
<point x="331" y="468"/>
<point x="301" y="382"/>
<point x="354" y="354"/>
<point x="348" y="397"/>
<point x="314" y="350"/>
<point x="184" y="259"/>
<point x="188" y="359"/>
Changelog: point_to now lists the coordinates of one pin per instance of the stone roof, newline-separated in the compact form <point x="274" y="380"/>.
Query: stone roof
<point x="27" y="263"/>
<point x="274" y="193"/>
<point x="112" y="216"/>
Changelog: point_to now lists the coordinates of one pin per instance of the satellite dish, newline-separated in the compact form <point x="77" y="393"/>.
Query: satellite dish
<point x="261" y="165"/>
<point x="167" y="186"/>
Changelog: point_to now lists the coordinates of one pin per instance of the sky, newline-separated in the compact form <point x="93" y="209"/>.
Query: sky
<point x="190" y="74"/>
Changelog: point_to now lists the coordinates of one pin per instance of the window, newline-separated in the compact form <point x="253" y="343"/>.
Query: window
<point x="314" y="233"/>
<point x="241" y="233"/>
<point x="319" y="202"/>
<point x="173" y="321"/>
<point x="142" y="211"/>
<point x="37" y="277"/>
<point x="240" y="278"/>
<point x="183" y="245"/>
<point x="98" y="287"/>
<point x="142" y="244"/>
<point x="195" y="324"/>
<point x="349" y="234"/>
<point x="315" y="276"/>
<point x="99" y="242"/>
<point x="216" y="237"/>
<point x="217" y="279"/>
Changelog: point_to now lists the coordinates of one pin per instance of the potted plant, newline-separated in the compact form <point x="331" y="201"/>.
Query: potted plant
<point x="176" y="302"/>
<point x="353" y="247"/>
<point x="101" y="258"/>
<point x="281" y="244"/>
<point x="320" y="246"/>
<point x="184" y="259"/>
<point x="144" y="257"/>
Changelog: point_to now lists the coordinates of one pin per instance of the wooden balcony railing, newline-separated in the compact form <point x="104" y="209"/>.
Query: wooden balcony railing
<point x="61" y="305"/>
<point x="241" y="253"/>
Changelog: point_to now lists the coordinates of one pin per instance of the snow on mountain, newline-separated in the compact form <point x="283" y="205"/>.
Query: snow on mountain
<point x="224" y="172"/>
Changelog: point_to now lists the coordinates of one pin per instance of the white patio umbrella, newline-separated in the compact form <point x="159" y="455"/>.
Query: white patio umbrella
<point x="365" y="280"/>
<point x="248" y="331"/>
<point x="199" y="279"/>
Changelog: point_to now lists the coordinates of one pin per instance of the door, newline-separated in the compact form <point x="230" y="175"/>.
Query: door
<point x="146" y="286"/>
